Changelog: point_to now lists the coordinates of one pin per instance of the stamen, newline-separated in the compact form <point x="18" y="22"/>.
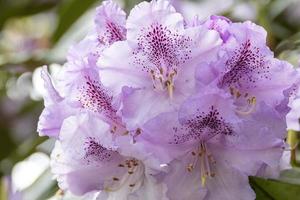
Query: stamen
<point x="235" y="93"/>
<point x="126" y="133"/>
<point x="132" y="178"/>
<point x="162" y="80"/>
<point x="114" y="129"/>
<point x="190" y="167"/>
<point x="205" y="160"/>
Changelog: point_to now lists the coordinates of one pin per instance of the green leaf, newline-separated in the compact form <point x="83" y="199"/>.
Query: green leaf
<point x="267" y="189"/>
<point x="291" y="176"/>
<point x="69" y="12"/>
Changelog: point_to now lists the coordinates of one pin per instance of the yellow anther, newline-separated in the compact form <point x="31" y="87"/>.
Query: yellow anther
<point x="190" y="167"/>
<point x="203" y="180"/>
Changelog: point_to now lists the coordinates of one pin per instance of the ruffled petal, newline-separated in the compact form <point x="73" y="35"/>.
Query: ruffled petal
<point x="52" y="96"/>
<point x="110" y="23"/>
<point x="56" y="109"/>
<point x="147" y="13"/>
<point x="84" y="52"/>
<point x="248" y="161"/>
<point x="88" y="160"/>
<point x="220" y="24"/>
<point x="264" y="128"/>
<point x="52" y="117"/>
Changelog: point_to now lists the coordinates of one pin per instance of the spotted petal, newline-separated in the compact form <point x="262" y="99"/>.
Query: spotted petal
<point x="110" y="23"/>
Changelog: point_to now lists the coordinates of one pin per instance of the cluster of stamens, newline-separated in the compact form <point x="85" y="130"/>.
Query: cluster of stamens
<point x="163" y="80"/>
<point x="251" y="101"/>
<point x="118" y="129"/>
<point x="205" y="160"/>
<point x="132" y="166"/>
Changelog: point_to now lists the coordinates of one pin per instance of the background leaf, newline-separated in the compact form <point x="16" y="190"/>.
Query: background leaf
<point x="275" y="190"/>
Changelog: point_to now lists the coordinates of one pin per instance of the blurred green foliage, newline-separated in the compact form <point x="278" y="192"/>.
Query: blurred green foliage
<point x="274" y="190"/>
<point x="69" y="12"/>
<point x="280" y="19"/>
<point x="9" y="9"/>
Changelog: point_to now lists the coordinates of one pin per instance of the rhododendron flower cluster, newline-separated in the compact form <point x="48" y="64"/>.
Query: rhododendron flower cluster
<point x="157" y="106"/>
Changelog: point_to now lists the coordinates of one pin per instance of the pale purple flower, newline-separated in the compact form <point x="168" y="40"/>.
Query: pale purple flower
<point x="78" y="83"/>
<point x="86" y="158"/>
<point x="157" y="61"/>
<point x="211" y="149"/>
<point x="109" y="27"/>
<point x="82" y="91"/>
<point x="158" y="107"/>
<point x="248" y="70"/>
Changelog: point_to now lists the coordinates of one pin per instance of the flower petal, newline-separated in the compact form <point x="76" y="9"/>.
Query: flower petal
<point x="229" y="184"/>
<point x="140" y="105"/>
<point x="52" y="96"/>
<point x="146" y="13"/>
<point x="52" y="117"/>
<point x="182" y="184"/>
<point x="88" y="160"/>
<point x="110" y="23"/>
<point x="116" y="70"/>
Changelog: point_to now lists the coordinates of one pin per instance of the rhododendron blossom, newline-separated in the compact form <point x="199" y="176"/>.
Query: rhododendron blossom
<point x="157" y="106"/>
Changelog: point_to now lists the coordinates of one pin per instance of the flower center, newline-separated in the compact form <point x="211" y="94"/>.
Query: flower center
<point x="249" y="106"/>
<point x="203" y="159"/>
<point x="133" y="177"/>
<point x="163" y="80"/>
<point x="161" y="51"/>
